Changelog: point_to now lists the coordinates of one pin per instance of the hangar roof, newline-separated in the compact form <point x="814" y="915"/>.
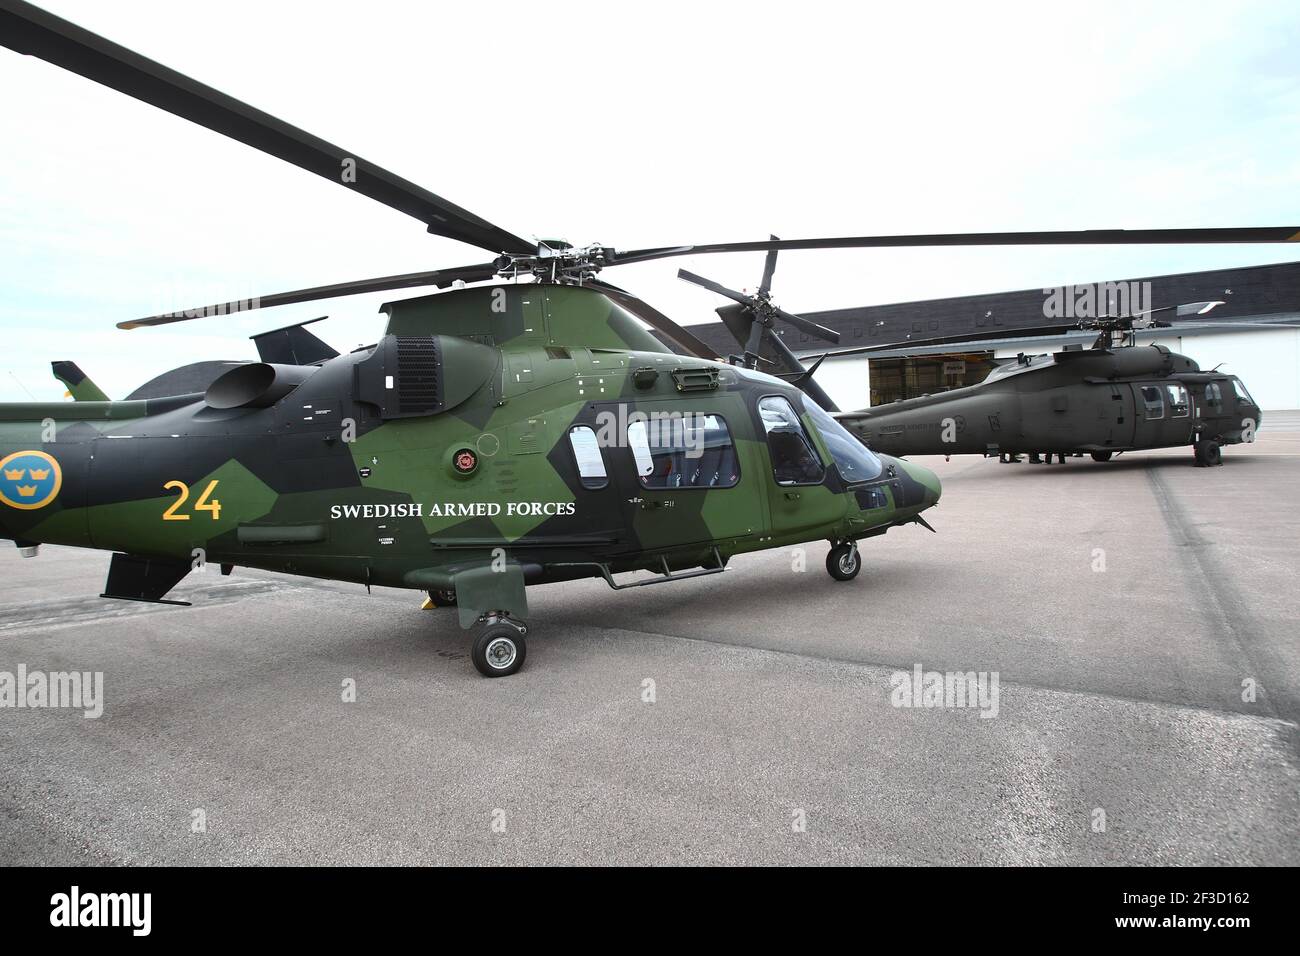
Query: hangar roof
<point x="1247" y="292"/>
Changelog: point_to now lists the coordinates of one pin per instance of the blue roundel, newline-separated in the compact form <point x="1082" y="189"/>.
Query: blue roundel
<point x="29" y="480"/>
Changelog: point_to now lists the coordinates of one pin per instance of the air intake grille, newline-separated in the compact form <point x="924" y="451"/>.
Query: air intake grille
<point x="417" y="375"/>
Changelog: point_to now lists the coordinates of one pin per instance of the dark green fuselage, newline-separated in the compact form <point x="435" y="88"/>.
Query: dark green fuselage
<point x="1086" y="401"/>
<point x="357" y="472"/>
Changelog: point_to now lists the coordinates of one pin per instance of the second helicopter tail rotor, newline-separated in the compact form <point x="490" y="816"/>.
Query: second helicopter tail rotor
<point x="752" y="319"/>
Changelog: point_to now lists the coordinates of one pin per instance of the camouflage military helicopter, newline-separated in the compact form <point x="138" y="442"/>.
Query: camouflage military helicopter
<point x="1114" y="397"/>
<point x="496" y="436"/>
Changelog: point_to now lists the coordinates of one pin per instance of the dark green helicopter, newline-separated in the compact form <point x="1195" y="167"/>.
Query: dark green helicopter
<point x="497" y="436"/>
<point x="1114" y="397"/>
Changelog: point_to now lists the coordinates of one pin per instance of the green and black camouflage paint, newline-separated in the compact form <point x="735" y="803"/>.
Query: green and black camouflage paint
<point x="501" y="371"/>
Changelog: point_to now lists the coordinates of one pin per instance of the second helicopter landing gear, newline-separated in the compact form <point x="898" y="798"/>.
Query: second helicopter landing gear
<point x="443" y="598"/>
<point x="499" y="649"/>
<point x="843" y="561"/>
<point x="1207" y="453"/>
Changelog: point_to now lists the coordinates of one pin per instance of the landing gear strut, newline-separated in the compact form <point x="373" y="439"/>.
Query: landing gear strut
<point x="843" y="561"/>
<point x="499" y="650"/>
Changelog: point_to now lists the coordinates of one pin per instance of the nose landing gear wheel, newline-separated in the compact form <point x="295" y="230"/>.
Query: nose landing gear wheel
<point x="1101" y="456"/>
<point x="499" y="650"/>
<point x="843" y="562"/>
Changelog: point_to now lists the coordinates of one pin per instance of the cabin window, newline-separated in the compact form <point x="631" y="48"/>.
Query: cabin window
<point x="1179" y="407"/>
<point x="855" y="461"/>
<point x="586" y="454"/>
<point x="683" y="451"/>
<point x="1154" y="403"/>
<point x="793" y="460"/>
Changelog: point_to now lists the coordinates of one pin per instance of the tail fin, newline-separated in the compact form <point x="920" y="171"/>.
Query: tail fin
<point x="292" y="345"/>
<point x="80" y="387"/>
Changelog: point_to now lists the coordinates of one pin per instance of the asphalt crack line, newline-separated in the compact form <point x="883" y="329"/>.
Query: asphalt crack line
<point x="1272" y="718"/>
<point x="1229" y="612"/>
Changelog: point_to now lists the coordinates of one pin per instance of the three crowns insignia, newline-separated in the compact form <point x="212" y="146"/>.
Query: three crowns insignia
<point x="17" y="474"/>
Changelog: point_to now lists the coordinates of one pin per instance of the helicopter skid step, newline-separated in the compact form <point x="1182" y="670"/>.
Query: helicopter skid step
<point x="664" y="576"/>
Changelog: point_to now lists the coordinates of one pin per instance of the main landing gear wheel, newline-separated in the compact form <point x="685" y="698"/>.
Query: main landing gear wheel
<point x="843" y="562"/>
<point x="499" y="650"/>
<point x="1101" y="456"/>
<point x="1207" y="453"/>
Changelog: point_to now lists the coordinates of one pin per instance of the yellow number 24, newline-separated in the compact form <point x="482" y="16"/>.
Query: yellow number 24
<point x="205" y="503"/>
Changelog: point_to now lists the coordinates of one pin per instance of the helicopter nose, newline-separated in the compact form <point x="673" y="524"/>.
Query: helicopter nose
<point x="933" y="488"/>
<point x="924" y="481"/>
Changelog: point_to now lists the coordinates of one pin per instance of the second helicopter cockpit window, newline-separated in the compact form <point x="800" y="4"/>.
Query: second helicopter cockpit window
<point x="1178" y="405"/>
<point x="1155" y="405"/>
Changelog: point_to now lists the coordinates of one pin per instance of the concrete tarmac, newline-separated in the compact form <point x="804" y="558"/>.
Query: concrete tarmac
<point x="1140" y="617"/>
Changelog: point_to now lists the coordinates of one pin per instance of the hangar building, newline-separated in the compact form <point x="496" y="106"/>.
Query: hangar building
<point x="1236" y="335"/>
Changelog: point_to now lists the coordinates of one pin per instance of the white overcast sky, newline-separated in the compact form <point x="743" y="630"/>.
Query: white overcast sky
<point x="630" y="125"/>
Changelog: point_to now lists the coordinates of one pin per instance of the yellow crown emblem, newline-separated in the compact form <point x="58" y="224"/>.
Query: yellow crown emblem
<point x="27" y="491"/>
<point x="40" y="474"/>
<point x="15" y="475"/>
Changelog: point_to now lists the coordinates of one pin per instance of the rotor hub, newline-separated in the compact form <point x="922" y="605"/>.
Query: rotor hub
<point x="556" y="261"/>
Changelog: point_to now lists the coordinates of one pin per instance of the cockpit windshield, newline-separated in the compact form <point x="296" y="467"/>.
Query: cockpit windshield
<point x="855" y="461"/>
<point x="1240" y="389"/>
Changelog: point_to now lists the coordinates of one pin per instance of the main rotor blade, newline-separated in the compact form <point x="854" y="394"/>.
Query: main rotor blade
<point x="656" y="320"/>
<point x="1034" y="332"/>
<point x="439" y="277"/>
<point x="30" y="30"/>
<point x="769" y="267"/>
<point x="1081" y="237"/>
<point x="807" y="326"/>
<point x="715" y="287"/>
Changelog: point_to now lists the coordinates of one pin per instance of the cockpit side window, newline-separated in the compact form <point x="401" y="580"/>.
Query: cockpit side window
<point x="1240" y="389"/>
<point x="854" y="460"/>
<point x="1155" y="405"/>
<point x="1178" y="404"/>
<point x="793" y="460"/>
